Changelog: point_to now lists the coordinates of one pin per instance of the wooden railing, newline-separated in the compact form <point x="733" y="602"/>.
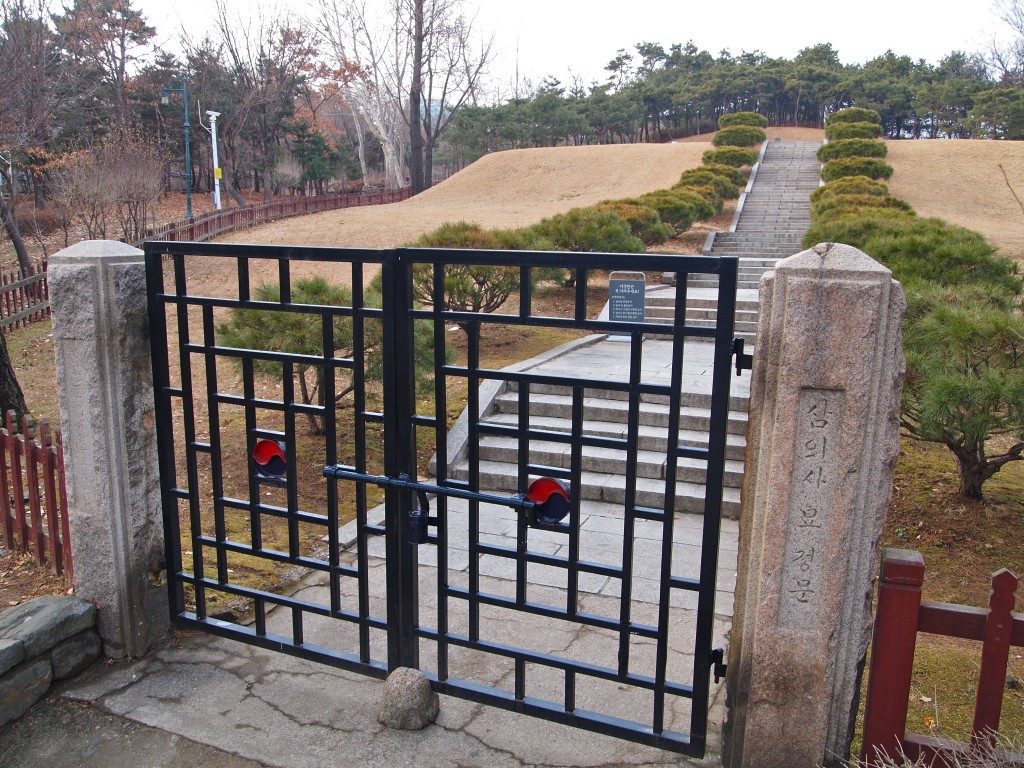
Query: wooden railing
<point x="33" y="497"/>
<point x="900" y="615"/>
<point x="213" y="224"/>
<point x="23" y="300"/>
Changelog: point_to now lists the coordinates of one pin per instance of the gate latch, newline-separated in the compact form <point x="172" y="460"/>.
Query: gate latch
<point x="744" y="362"/>
<point x="420" y="519"/>
<point x="718" y="663"/>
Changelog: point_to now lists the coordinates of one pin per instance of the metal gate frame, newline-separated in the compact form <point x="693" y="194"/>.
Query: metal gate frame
<point x="398" y="314"/>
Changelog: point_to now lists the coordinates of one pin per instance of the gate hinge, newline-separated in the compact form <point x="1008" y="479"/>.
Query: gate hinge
<point x="744" y="362"/>
<point x="718" y="663"/>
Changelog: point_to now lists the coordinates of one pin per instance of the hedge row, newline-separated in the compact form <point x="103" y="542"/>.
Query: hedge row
<point x="872" y="167"/>
<point x="852" y="148"/>
<point x="854" y="115"/>
<point x="737" y="157"/>
<point x="743" y="118"/>
<point x="739" y="136"/>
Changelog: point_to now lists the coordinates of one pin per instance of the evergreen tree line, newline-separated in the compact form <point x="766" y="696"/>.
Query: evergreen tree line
<point x="654" y="94"/>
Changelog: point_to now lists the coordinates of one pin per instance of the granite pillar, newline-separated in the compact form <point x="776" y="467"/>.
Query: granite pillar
<point x="104" y="379"/>
<point x="822" y="442"/>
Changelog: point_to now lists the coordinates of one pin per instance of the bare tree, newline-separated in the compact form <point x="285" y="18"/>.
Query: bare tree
<point x="271" y="58"/>
<point x="380" y="46"/>
<point x="1007" y="57"/>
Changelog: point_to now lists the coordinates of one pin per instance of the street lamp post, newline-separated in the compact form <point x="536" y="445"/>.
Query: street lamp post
<point x="165" y="98"/>
<point x="216" y="165"/>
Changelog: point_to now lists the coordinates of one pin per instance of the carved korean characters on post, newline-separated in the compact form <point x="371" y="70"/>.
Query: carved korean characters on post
<point x="815" y="471"/>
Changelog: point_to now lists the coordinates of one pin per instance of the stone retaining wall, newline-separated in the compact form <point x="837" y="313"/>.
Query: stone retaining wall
<point x="42" y="641"/>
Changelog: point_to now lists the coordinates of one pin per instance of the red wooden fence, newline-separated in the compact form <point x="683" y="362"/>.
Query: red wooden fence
<point x="23" y="300"/>
<point x="900" y="615"/>
<point x="212" y="224"/>
<point x="33" y="499"/>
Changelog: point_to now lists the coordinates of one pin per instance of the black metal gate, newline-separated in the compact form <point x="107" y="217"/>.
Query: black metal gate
<point x="276" y="454"/>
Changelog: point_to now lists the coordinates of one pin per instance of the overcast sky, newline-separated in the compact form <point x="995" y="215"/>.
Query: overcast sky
<point x="563" y="38"/>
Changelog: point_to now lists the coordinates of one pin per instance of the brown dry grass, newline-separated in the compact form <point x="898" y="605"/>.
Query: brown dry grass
<point x="505" y="189"/>
<point x="960" y="181"/>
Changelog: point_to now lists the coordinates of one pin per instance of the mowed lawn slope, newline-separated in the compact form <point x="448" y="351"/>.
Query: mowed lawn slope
<point x="504" y="189"/>
<point x="960" y="181"/>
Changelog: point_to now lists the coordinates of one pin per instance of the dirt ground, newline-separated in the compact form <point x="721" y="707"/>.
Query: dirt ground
<point x="961" y="181"/>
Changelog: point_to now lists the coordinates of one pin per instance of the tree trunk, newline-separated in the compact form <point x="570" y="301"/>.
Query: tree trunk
<point x="970" y="462"/>
<point x="11" y="225"/>
<point x="428" y="165"/>
<point x="415" y="100"/>
<point x="11" y="396"/>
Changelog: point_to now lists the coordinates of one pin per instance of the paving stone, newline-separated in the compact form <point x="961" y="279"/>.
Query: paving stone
<point x="45" y="621"/>
<point x="22" y="687"/>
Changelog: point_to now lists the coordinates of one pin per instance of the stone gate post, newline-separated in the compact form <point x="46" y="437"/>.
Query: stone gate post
<point x="822" y="442"/>
<point x="104" y="379"/>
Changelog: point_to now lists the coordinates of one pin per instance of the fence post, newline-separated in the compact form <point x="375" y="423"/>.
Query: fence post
<point x="892" y="654"/>
<point x="821" y="447"/>
<point x="995" y="656"/>
<point x="104" y="380"/>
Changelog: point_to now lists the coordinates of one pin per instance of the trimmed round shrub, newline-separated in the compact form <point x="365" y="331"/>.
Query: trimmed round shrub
<point x="700" y="177"/>
<point x="872" y="167"/>
<point x="734" y="175"/>
<point x="849" y="185"/>
<point x="837" y="131"/>
<point x="588" y="229"/>
<point x="852" y="148"/>
<point x="737" y="157"/>
<point x="743" y="118"/>
<point x="739" y="136"/>
<point x="841" y="205"/>
<point x="678" y="208"/>
<point x="643" y="221"/>
<point x="707" y="192"/>
<point x="854" y="115"/>
<point x="920" y="249"/>
<point x="459" y="234"/>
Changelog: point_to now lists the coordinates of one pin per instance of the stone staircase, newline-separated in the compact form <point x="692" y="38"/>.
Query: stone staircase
<point x="604" y="415"/>
<point x="770" y="227"/>
<point x="775" y="215"/>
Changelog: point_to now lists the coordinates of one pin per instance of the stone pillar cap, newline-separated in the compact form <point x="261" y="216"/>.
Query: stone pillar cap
<point x="96" y="250"/>
<point x="833" y="256"/>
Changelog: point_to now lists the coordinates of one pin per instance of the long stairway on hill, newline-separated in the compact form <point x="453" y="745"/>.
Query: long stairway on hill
<point x="771" y="225"/>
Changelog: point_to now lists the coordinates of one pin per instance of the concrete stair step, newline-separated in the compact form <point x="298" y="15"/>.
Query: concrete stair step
<point x="693" y="417"/>
<point x="649" y="464"/>
<point x="648" y="438"/>
<point x="689" y="497"/>
<point x="597" y="395"/>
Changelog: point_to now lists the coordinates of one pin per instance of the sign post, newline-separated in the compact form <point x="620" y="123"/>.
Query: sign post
<point x="627" y="296"/>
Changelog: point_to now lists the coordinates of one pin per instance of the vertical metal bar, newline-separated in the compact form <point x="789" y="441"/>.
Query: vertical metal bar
<point x="520" y="679"/>
<point x="188" y="414"/>
<point x="714" y="479"/>
<point x="327" y="390"/>
<point x="249" y="392"/>
<point x="243" y="278"/>
<point x="359" y="426"/>
<point x="570" y="691"/>
<point x="636" y="345"/>
<point x="473" y="455"/>
<point x="671" y="470"/>
<point x="522" y="482"/>
<point x="165" y="433"/>
<point x="525" y="292"/>
<point x="399" y="459"/>
<point x="216" y="465"/>
<point x="576" y="480"/>
<point x="441" y="470"/>
<point x="291" y="451"/>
